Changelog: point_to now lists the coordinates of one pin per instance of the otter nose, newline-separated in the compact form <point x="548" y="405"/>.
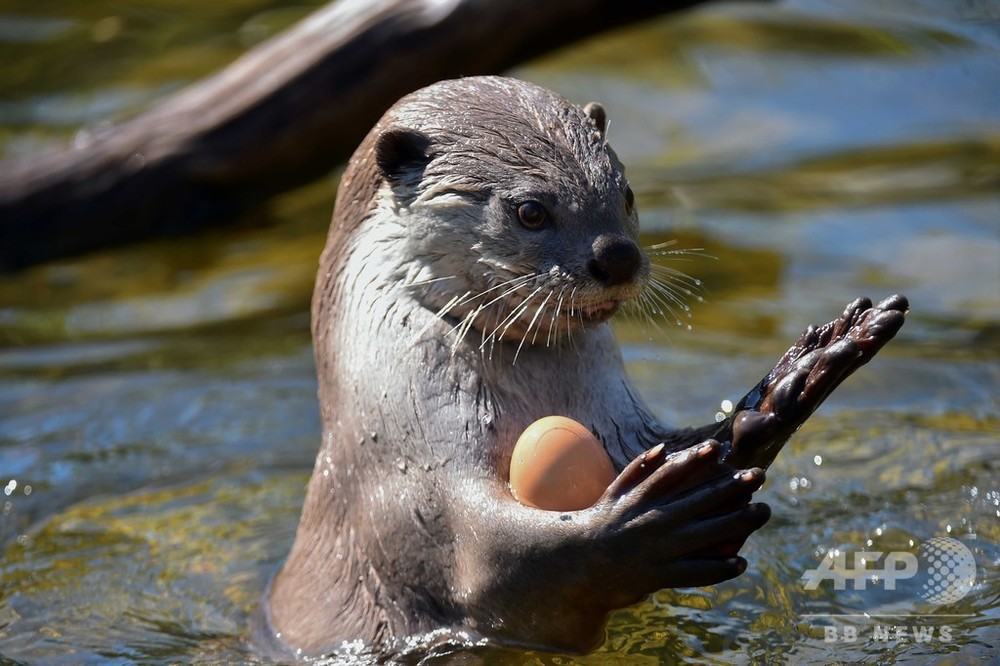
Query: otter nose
<point x="616" y="259"/>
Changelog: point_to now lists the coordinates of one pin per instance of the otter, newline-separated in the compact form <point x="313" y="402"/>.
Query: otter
<point x="483" y="235"/>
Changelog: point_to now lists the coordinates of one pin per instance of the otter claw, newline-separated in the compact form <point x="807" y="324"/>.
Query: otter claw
<point x="805" y="375"/>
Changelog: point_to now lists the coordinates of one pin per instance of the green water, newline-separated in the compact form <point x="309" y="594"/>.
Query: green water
<point x="157" y="404"/>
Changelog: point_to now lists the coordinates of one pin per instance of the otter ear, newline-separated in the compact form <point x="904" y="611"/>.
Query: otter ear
<point x="399" y="152"/>
<point x="596" y="113"/>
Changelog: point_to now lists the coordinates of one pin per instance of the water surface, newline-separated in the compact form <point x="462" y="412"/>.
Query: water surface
<point x="157" y="404"/>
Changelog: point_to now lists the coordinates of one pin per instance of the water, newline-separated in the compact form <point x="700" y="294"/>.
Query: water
<point x="157" y="405"/>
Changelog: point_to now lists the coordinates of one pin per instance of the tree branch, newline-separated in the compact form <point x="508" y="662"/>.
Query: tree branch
<point x="285" y="113"/>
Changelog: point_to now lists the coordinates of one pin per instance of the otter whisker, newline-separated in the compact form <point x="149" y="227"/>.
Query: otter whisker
<point x="527" y="330"/>
<point x="517" y="281"/>
<point x="677" y="279"/>
<point x="470" y="317"/>
<point x="513" y="285"/>
<point x="681" y="255"/>
<point x="655" y="306"/>
<point x="511" y="316"/>
<point x="681" y="292"/>
<point x="523" y="280"/>
<point x="516" y="313"/>
<point x="555" y="317"/>
<point x="675" y="276"/>
<point x="461" y="329"/>
<point x="421" y="283"/>
<point x="659" y="246"/>
<point x="672" y="275"/>
<point x="439" y="315"/>
<point x="579" y="316"/>
<point x="569" y="316"/>
<point x="669" y="294"/>
<point x="538" y="312"/>
<point x="456" y="302"/>
<point x="659" y="249"/>
<point x="644" y="304"/>
<point x="484" y="337"/>
<point x="668" y="299"/>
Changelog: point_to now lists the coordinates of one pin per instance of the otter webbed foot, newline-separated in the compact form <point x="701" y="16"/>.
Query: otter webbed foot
<point x="684" y="515"/>
<point x="802" y="379"/>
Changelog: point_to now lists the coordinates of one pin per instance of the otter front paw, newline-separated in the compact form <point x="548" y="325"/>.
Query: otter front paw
<point x="802" y="379"/>
<point x="676" y="520"/>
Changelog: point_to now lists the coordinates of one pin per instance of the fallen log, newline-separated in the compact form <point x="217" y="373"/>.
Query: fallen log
<point x="283" y="114"/>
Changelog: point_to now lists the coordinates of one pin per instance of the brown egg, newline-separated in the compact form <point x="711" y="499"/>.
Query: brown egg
<point x="559" y="465"/>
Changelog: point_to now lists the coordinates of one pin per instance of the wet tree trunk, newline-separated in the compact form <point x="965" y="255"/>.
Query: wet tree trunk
<point x="285" y="113"/>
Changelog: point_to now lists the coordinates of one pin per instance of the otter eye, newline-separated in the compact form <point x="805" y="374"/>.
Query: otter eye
<point x="629" y="199"/>
<point x="532" y="215"/>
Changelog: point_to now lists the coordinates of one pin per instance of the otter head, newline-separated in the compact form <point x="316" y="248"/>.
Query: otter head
<point x="514" y="209"/>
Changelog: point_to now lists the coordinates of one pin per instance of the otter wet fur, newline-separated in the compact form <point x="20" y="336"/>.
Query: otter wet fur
<point x="483" y="234"/>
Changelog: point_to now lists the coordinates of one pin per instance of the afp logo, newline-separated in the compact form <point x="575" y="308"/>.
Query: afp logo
<point x="950" y="570"/>
<point x="941" y="572"/>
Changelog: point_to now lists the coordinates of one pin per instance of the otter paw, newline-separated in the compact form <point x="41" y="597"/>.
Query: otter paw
<point x="806" y="374"/>
<point x="681" y="516"/>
